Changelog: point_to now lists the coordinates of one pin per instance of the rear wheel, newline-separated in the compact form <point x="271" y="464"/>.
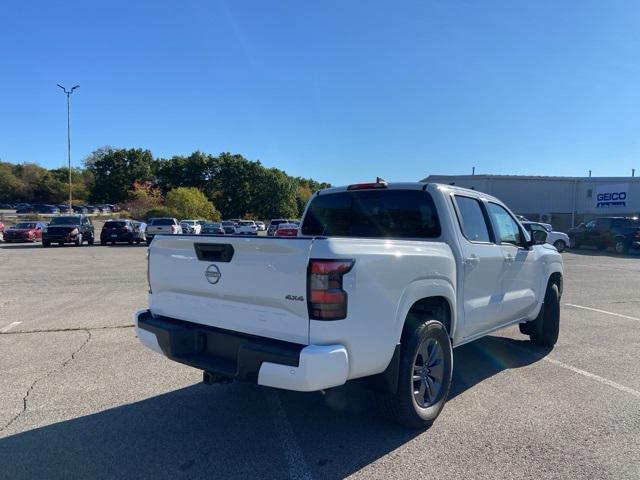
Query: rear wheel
<point x="620" y="246"/>
<point x="573" y="243"/>
<point x="424" y="378"/>
<point x="560" y="245"/>
<point x="46" y="244"/>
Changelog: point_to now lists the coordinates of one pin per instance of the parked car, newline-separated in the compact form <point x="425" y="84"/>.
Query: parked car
<point x="46" y="209"/>
<point x="382" y="282"/>
<point x="162" y="226"/>
<point x="24" y="232"/>
<point x="105" y="208"/>
<point x="80" y="209"/>
<point x="261" y="226"/>
<point x="273" y="225"/>
<point x="25" y="208"/>
<point x="557" y="239"/>
<point x="229" y="227"/>
<point x="64" y="208"/>
<point x="75" y="229"/>
<point x="247" y="227"/>
<point x="191" y="226"/>
<point x="93" y="209"/>
<point x="212" y="229"/>
<point x="621" y="233"/>
<point x="287" y="230"/>
<point x="121" y="230"/>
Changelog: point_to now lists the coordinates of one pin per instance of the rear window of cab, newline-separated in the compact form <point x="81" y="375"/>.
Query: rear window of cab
<point x="373" y="214"/>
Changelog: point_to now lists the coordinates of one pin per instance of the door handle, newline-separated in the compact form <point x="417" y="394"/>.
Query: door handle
<point x="472" y="260"/>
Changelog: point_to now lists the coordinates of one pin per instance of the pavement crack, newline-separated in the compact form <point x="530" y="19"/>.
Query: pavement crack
<point x="70" y="329"/>
<point x="25" y="398"/>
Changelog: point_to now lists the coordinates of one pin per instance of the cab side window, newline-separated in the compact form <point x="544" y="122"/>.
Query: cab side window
<point x="472" y="220"/>
<point x="507" y="230"/>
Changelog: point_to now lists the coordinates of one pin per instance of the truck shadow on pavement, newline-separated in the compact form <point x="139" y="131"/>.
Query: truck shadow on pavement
<point x="238" y="430"/>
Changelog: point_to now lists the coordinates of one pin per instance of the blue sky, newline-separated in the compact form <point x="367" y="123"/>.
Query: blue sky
<point x="339" y="91"/>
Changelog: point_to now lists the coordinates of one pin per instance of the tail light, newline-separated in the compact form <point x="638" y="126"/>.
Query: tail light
<point x="379" y="183"/>
<point x="326" y="300"/>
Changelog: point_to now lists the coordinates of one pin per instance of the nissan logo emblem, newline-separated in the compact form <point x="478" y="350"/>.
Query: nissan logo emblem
<point x="212" y="274"/>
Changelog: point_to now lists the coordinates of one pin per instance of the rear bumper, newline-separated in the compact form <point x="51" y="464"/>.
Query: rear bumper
<point x="260" y="360"/>
<point x="119" y="237"/>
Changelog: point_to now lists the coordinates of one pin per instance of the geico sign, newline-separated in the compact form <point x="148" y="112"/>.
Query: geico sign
<point x="611" y="199"/>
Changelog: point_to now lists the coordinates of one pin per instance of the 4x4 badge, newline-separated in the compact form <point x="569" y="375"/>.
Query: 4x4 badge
<point x="296" y="298"/>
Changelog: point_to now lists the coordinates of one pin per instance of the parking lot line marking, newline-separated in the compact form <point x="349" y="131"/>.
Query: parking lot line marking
<point x="593" y="376"/>
<point x="9" y="327"/>
<point x="603" y="311"/>
<point x="579" y="371"/>
<point x="298" y="468"/>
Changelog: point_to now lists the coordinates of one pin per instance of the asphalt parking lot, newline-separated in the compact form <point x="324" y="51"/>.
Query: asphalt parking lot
<point x="81" y="398"/>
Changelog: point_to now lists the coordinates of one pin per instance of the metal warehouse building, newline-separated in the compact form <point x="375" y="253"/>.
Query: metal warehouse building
<point x="561" y="201"/>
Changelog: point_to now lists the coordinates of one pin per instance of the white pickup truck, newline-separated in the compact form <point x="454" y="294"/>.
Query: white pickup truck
<point x="381" y="282"/>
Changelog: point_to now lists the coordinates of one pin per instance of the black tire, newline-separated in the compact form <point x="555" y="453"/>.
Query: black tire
<point x="560" y="245"/>
<point x="46" y="244"/>
<point x="138" y="241"/>
<point x="573" y="244"/>
<point x="403" y="406"/>
<point x="620" y="246"/>
<point x="91" y="240"/>
<point x="130" y="241"/>
<point x="545" y="328"/>
<point x="79" y="240"/>
<point x="61" y="244"/>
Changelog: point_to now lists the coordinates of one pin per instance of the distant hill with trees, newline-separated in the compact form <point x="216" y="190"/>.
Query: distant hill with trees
<point x="234" y="185"/>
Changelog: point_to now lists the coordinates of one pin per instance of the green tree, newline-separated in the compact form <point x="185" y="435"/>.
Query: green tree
<point x="11" y="187"/>
<point x="143" y="197"/>
<point x="189" y="202"/>
<point x="116" y="170"/>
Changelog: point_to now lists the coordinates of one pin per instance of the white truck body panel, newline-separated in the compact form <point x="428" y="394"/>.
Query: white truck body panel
<point x="262" y="291"/>
<point x="250" y="296"/>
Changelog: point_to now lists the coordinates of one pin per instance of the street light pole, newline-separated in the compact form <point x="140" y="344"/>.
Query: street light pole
<point x="68" y="93"/>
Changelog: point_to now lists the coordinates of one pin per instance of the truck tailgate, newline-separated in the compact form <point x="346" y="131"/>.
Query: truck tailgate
<point x="254" y="285"/>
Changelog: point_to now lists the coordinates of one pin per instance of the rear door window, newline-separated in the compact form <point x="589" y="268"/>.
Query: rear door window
<point x="373" y="213"/>
<point x="472" y="219"/>
<point x="163" y="221"/>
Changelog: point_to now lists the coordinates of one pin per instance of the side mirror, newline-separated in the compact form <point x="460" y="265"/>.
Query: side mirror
<point x="538" y="237"/>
